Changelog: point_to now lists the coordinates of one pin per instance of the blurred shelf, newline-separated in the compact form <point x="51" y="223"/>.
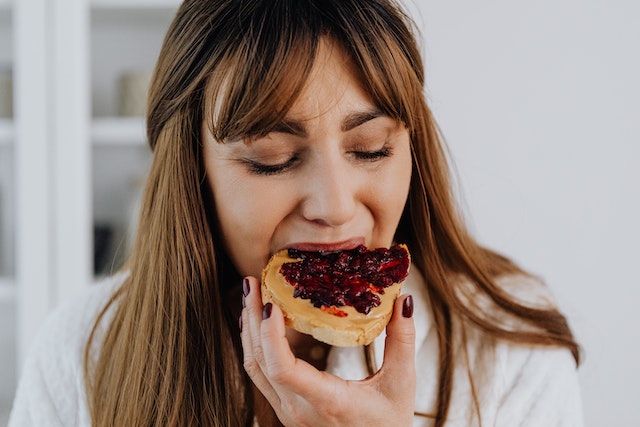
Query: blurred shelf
<point x="133" y="4"/>
<point x="7" y="290"/>
<point x="118" y="131"/>
<point x="140" y="11"/>
<point x="136" y="13"/>
<point x="6" y="131"/>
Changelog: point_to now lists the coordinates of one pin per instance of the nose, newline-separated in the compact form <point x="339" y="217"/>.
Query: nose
<point x="331" y="194"/>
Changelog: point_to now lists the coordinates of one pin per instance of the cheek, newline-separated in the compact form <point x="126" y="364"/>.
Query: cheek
<point x="390" y="196"/>
<point x="393" y="187"/>
<point x="248" y="215"/>
<point x="233" y="211"/>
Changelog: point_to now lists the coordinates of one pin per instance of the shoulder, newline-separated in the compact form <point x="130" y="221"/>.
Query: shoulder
<point x="67" y="328"/>
<point x="539" y="384"/>
<point x="51" y="387"/>
<point x="527" y="290"/>
<point x="515" y="384"/>
<point x="523" y="384"/>
<point x="512" y="357"/>
<point x="521" y="288"/>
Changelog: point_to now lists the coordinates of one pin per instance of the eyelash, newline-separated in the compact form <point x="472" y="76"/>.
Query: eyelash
<point x="372" y="156"/>
<point x="265" y="169"/>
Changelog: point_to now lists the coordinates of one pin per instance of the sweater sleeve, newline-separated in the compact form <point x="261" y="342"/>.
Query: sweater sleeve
<point x="51" y="389"/>
<point x="47" y="393"/>
<point x="541" y="388"/>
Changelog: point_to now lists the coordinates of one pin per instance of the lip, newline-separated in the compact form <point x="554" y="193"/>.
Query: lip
<point x="330" y="246"/>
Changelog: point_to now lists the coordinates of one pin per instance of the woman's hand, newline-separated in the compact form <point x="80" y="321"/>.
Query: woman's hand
<point x="303" y="396"/>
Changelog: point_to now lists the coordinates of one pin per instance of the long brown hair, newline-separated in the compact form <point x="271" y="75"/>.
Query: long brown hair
<point x="169" y="353"/>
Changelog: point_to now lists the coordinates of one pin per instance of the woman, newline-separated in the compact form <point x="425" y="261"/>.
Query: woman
<point x="299" y="123"/>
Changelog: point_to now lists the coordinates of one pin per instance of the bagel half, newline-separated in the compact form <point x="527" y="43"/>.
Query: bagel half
<point x="337" y="325"/>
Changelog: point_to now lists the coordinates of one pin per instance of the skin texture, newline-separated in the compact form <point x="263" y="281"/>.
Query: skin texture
<point x="334" y="175"/>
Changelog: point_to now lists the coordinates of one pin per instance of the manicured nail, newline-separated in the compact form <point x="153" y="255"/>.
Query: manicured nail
<point x="245" y="286"/>
<point x="407" y="307"/>
<point x="266" y="311"/>
<point x="240" y="323"/>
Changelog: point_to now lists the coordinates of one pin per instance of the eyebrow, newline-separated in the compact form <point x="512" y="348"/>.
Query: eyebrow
<point x="292" y="127"/>
<point x="351" y="121"/>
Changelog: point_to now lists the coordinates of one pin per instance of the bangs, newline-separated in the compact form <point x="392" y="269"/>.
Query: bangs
<point x="383" y="48"/>
<point x="262" y="72"/>
<point x="272" y="49"/>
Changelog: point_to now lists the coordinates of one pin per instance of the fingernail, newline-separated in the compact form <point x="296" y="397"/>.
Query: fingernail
<point x="407" y="307"/>
<point x="240" y="323"/>
<point x="244" y="303"/>
<point x="245" y="286"/>
<point x="266" y="311"/>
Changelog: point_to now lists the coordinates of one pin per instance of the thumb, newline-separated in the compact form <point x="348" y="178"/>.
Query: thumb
<point x="398" y="366"/>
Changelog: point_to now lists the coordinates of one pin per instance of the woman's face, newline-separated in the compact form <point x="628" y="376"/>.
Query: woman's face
<point x="334" y="174"/>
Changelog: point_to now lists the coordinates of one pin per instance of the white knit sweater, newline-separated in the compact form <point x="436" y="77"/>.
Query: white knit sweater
<point x="516" y="385"/>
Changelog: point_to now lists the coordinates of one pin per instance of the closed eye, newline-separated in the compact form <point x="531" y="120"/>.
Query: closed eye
<point x="270" y="169"/>
<point x="372" y="155"/>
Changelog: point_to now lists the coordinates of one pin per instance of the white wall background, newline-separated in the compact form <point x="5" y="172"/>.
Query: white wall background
<point x="540" y="104"/>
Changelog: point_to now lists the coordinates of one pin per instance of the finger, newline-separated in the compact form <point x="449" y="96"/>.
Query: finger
<point x="252" y="316"/>
<point x="251" y="307"/>
<point x="398" y="367"/>
<point x="250" y="338"/>
<point x="279" y="359"/>
<point x="250" y="328"/>
<point x="286" y="372"/>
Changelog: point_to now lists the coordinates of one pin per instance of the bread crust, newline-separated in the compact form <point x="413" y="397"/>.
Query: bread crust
<point x="355" y="329"/>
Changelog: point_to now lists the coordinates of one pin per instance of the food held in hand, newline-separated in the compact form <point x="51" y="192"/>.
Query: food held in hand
<point x="343" y="298"/>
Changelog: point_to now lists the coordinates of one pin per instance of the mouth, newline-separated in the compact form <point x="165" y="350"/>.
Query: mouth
<point x="329" y="246"/>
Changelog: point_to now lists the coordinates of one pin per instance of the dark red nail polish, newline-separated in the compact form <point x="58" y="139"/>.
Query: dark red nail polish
<point x="407" y="307"/>
<point x="240" y="323"/>
<point x="266" y="311"/>
<point x="245" y="286"/>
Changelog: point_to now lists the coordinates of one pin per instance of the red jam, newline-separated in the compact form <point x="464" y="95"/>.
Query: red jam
<point x="353" y="277"/>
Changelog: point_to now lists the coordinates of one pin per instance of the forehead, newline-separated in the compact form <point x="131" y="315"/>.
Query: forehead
<point x="334" y="82"/>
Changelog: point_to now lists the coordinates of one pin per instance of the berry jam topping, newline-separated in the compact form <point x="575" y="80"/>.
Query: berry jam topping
<point x="353" y="277"/>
